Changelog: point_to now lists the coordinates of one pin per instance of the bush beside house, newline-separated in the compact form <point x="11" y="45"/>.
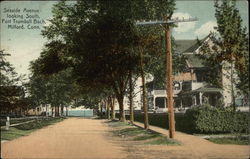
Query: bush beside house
<point x="207" y="119"/>
<point x="203" y="119"/>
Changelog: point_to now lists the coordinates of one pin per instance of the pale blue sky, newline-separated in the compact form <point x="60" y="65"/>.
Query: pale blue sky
<point x="204" y="11"/>
<point x="26" y="45"/>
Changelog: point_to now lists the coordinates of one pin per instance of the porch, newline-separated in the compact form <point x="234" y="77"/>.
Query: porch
<point x="204" y="95"/>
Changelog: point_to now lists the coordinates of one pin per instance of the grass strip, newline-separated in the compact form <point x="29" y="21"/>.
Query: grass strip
<point x="139" y="134"/>
<point x="146" y="137"/>
<point x="163" y="140"/>
<point x="226" y="140"/>
<point x="26" y="129"/>
<point x="13" y="133"/>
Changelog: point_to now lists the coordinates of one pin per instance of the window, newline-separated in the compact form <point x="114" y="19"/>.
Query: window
<point x="160" y="102"/>
<point x="177" y="86"/>
<point x="239" y="102"/>
<point x="200" y="76"/>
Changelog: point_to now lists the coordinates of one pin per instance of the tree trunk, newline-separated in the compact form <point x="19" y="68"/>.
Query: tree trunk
<point x="101" y="110"/>
<point x="131" y="108"/>
<point x="112" y="108"/>
<point x="46" y="109"/>
<point x="57" y="111"/>
<point x="21" y="112"/>
<point x="108" y="107"/>
<point x="121" y="108"/>
<point x="62" y="109"/>
<point x="144" y="99"/>
<point x="232" y="87"/>
<point x="52" y="111"/>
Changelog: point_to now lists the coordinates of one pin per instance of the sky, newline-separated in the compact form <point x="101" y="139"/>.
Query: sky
<point x="25" y="44"/>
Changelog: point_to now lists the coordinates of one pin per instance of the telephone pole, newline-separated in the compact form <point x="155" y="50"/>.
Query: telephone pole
<point x="169" y="79"/>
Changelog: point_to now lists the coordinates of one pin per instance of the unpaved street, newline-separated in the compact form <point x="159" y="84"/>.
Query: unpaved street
<point x="79" y="138"/>
<point x="74" y="138"/>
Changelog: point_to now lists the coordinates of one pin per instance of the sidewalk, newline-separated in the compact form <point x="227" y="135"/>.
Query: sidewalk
<point x="202" y="148"/>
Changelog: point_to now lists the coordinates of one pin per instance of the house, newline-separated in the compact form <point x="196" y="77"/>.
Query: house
<point x="190" y="86"/>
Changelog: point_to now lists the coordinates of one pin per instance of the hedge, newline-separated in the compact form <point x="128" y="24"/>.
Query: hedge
<point x="207" y="119"/>
<point x="202" y="119"/>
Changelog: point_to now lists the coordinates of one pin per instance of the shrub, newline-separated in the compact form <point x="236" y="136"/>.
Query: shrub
<point x="208" y="119"/>
<point x="161" y="120"/>
<point x="2" y="122"/>
<point x="203" y="119"/>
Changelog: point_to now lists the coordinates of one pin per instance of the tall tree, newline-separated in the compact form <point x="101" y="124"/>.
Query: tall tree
<point x="229" y="52"/>
<point x="149" y="49"/>
<point x="11" y="93"/>
<point x="99" y="37"/>
<point x="100" y="25"/>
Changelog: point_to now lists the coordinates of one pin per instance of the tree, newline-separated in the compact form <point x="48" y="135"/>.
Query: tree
<point x="8" y="76"/>
<point x="56" y="89"/>
<point x="230" y="47"/>
<point x="83" y="26"/>
<point x="149" y="48"/>
<point x="131" y="90"/>
<point x="11" y="93"/>
<point x="105" y="27"/>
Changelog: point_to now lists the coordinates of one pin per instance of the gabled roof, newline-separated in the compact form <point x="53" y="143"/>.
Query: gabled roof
<point x="194" y="61"/>
<point x="183" y="45"/>
<point x="188" y="46"/>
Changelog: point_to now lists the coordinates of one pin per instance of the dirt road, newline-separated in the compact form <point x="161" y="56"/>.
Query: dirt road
<point x="74" y="138"/>
<point x="78" y="138"/>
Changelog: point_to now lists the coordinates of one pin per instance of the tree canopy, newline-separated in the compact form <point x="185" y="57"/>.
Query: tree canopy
<point x="98" y="40"/>
<point x="230" y="48"/>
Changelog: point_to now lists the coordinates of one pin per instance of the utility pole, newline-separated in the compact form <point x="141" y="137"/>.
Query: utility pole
<point x="169" y="82"/>
<point x="169" y="79"/>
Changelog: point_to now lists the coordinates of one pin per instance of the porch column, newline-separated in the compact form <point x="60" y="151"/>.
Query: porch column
<point x="154" y="102"/>
<point x="195" y="100"/>
<point x="181" y="103"/>
<point x="200" y="98"/>
<point x="165" y="102"/>
<point x="192" y="72"/>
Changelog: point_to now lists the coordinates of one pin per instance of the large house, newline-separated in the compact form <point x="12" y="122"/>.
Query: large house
<point x="190" y="87"/>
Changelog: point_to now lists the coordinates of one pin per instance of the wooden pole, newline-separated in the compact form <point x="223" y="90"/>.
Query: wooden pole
<point x="169" y="82"/>
<point x="108" y="107"/>
<point x="168" y="65"/>
<point x="113" y="107"/>
<point x="144" y="98"/>
<point x="131" y="108"/>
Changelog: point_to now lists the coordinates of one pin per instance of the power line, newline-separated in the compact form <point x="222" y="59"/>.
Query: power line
<point x="171" y="21"/>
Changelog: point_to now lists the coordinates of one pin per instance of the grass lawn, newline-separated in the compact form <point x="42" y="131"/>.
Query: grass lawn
<point x="13" y="133"/>
<point x="26" y="129"/>
<point x="163" y="140"/>
<point x="131" y="132"/>
<point x="227" y="140"/>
